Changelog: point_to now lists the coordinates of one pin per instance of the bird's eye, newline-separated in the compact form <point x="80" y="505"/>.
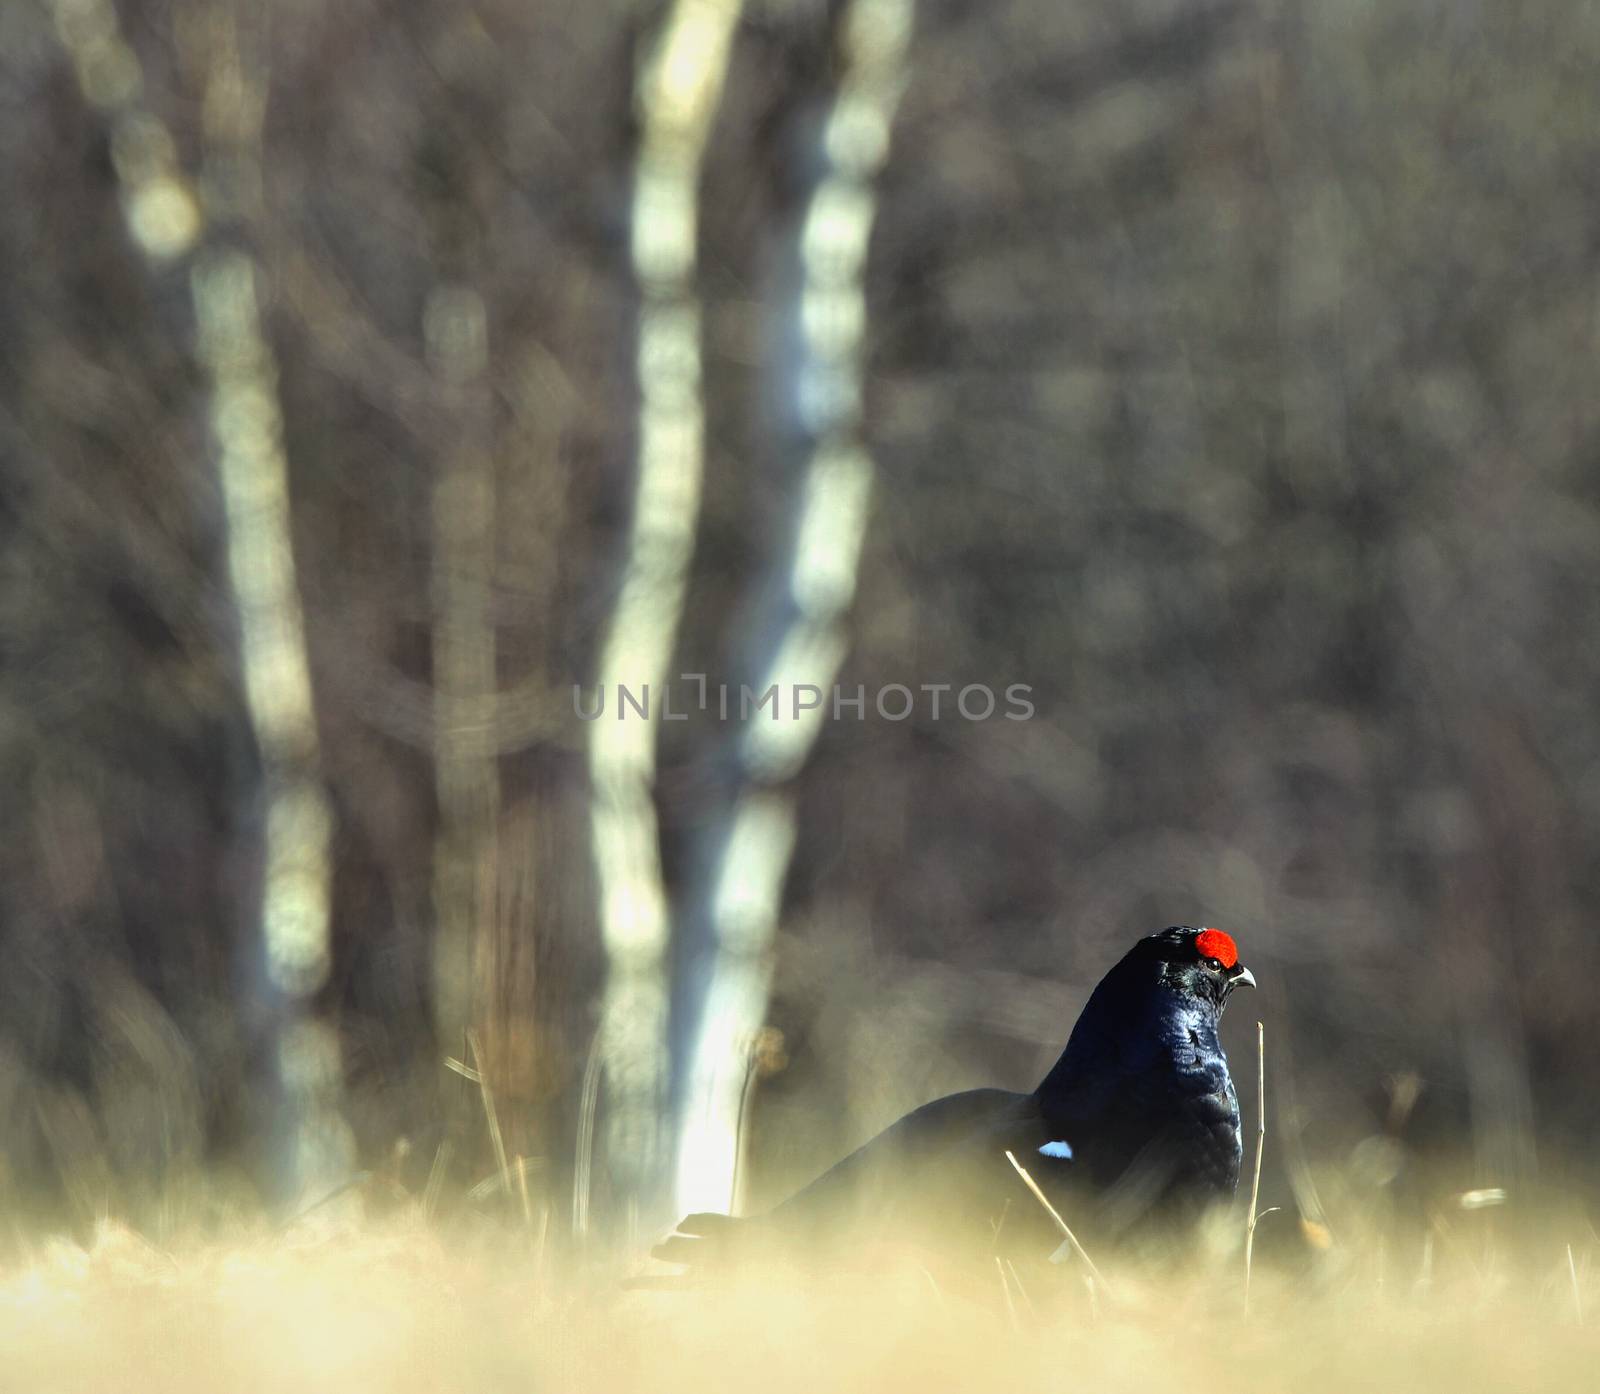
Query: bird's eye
<point x="1214" y="964"/>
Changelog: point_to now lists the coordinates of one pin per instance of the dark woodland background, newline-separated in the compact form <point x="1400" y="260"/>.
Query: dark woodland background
<point x="1231" y="382"/>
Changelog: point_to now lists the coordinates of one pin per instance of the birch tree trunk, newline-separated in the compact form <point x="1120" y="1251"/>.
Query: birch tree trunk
<point x="676" y="96"/>
<point x="168" y="219"/>
<point x="798" y="639"/>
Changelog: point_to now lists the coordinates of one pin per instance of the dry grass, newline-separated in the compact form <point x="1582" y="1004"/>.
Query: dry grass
<point x="407" y="1307"/>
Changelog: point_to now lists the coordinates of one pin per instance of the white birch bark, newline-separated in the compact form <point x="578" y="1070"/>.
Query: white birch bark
<point x="167" y="219"/>
<point x="676" y="95"/>
<point x="799" y="640"/>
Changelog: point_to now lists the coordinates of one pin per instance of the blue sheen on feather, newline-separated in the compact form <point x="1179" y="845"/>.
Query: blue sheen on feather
<point x="1061" y="1150"/>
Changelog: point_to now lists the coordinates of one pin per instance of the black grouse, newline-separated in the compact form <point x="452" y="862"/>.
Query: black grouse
<point x="1134" y="1132"/>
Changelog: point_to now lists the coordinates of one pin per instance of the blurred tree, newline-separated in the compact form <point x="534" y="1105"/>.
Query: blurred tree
<point x="794" y="639"/>
<point x="165" y="219"/>
<point x="1223" y="369"/>
<point x="678" y="88"/>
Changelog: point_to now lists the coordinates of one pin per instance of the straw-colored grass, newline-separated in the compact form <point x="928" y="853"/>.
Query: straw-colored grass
<point x="409" y="1307"/>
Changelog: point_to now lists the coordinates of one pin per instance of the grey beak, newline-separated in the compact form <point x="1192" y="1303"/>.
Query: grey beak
<point x="1243" y="978"/>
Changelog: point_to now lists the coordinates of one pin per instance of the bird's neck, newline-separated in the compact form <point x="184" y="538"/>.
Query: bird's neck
<point x="1130" y="1029"/>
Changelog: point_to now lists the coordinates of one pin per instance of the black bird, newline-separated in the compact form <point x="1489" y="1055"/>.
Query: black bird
<point x="1134" y="1132"/>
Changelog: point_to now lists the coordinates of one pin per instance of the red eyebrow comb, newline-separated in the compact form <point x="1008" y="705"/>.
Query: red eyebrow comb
<point x="1213" y="943"/>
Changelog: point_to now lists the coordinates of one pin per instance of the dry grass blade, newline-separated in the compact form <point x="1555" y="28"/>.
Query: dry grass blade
<point x="1425" y="1269"/>
<point x="540" y="1247"/>
<point x="1000" y="1224"/>
<point x="1261" y="1140"/>
<point x="1577" y="1295"/>
<point x="1016" y="1278"/>
<point x="489" y="1111"/>
<point x="516" y="1172"/>
<point x="522" y="1191"/>
<point x="1061" y="1224"/>
<point x="463" y="1069"/>
<point x="752" y="1077"/>
<point x="1005" y="1288"/>
<point x="362" y="1177"/>
<point x="583" y="1167"/>
<point x="436" y="1175"/>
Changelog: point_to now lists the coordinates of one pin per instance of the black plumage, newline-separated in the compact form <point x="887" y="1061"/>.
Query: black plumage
<point x="1134" y="1131"/>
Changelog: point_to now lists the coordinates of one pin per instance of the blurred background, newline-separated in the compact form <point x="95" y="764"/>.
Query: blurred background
<point x="374" y="375"/>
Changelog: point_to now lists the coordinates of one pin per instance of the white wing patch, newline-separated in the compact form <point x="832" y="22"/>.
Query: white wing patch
<point x="1062" y="1151"/>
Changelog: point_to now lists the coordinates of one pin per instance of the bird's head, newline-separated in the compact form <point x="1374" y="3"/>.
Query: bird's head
<point x="1161" y="986"/>
<point x="1202" y="963"/>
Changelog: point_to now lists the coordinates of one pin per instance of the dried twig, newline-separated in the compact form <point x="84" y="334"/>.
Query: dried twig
<point x="1061" y="1224"/>
<point x="1261" y="1140"/>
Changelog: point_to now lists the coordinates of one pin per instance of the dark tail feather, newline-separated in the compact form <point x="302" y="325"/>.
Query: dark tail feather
<point x="700" y="1239"/>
